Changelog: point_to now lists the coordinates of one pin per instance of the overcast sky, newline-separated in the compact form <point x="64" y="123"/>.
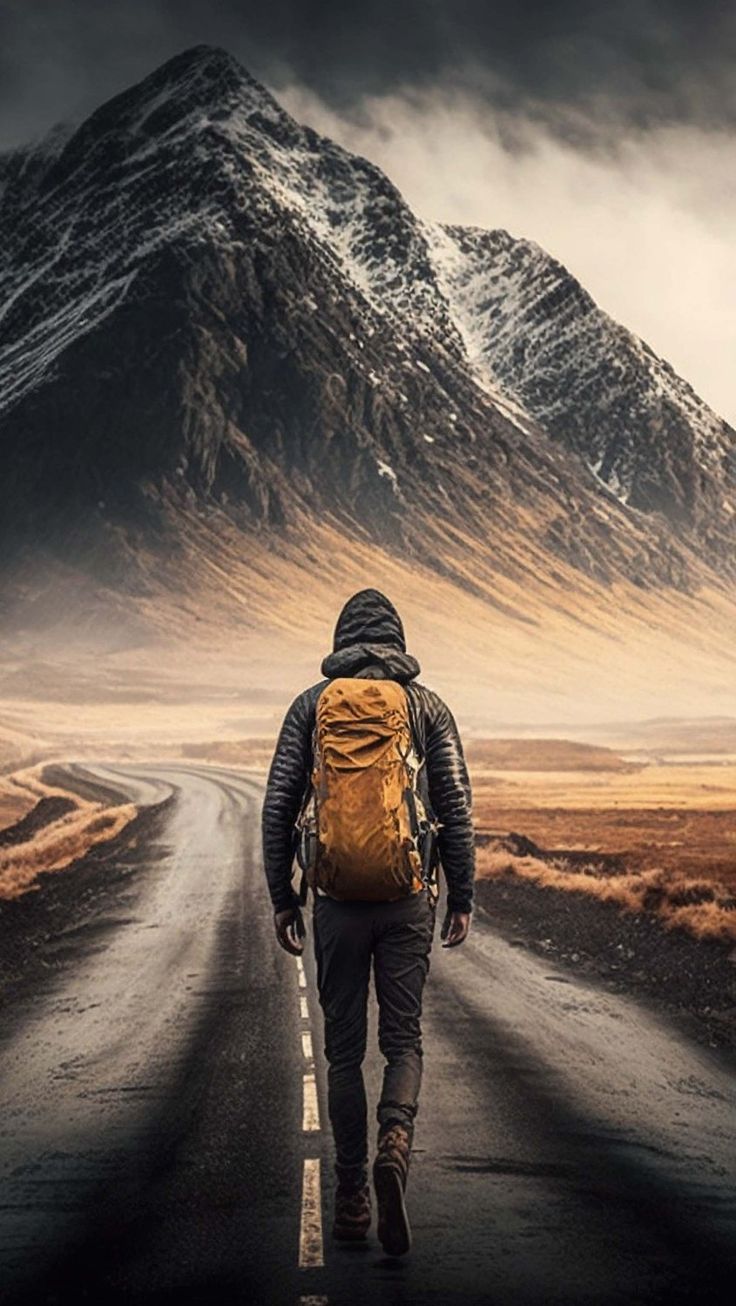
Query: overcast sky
<point x="603" y="130"/>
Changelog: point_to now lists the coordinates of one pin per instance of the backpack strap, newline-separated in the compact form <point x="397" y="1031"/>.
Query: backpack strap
<point x="416" y="730"/>
<point x="430" y="860"/>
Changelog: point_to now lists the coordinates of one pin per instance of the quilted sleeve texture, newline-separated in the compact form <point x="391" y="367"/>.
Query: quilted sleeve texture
<point x="285" y="787"/>
<point x="451" y="799"/>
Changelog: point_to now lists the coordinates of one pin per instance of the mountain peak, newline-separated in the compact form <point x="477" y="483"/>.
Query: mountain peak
<point x="247" y="297"/>
<point x="210" y="77"/>
<point x="212" y="59"/>
<point x="210" y="65"/>
<point x="198" y="87"/>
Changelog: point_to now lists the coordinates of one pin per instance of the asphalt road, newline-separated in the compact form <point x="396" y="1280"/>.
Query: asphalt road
<point x="163" y="1125"/>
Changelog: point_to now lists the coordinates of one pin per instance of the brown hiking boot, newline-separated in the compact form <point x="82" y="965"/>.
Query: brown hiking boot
<point x="352" y="1213"/>
<point x="390" y="1170"/>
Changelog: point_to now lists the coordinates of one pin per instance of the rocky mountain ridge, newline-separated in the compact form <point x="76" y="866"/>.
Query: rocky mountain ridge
<point x="207" y="308"/>
<point x="593" y="385"/>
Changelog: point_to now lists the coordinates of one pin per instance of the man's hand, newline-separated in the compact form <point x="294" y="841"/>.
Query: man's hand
<point x="455" y="928"/>
<point x="290" y="930"/>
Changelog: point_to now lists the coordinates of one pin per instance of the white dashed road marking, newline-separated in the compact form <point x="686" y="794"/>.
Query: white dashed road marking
<point x="311" y="1254"/>
<point x="310" y="1236"/>
<point x="310" y="1122"/>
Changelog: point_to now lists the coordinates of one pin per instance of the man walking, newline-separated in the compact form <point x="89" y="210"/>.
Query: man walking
<point x="368" y="786"/>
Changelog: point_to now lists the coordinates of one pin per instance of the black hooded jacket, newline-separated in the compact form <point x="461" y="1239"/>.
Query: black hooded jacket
<point x="369" y="641"/>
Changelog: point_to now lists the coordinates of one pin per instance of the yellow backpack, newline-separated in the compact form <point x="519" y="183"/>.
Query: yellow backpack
<point x="364" y="832"/>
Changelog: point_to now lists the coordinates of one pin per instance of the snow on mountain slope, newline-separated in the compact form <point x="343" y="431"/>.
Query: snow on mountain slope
<point x="200" y="297"/>
<point x="196" y="139"/>
<point x="531" y="327"/>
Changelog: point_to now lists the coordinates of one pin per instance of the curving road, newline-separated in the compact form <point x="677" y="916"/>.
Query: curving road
<point x="162" y="1112"/>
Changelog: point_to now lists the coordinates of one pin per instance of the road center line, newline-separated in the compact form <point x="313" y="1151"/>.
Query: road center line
<point x="310" y="1234"/>
<point x="310" y="1115"/>
<point x="307" y="1045"/>
<point x="304" y="1009"/>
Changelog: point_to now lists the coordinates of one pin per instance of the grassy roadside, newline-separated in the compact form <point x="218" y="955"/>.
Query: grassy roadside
<point x="691" y="980"/>
<point x="59" y="826"/>
<point x="41" y="930"/>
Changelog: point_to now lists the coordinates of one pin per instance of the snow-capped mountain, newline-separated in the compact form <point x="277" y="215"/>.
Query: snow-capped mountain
<point x="531" y="328"/>
<point x="204" y="305"/>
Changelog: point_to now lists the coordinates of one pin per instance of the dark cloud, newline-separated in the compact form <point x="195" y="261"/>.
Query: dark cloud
<point x="583" y="66"/>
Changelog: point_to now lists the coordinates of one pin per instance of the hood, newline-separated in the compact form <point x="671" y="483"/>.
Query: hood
<point x="369" y="641"/>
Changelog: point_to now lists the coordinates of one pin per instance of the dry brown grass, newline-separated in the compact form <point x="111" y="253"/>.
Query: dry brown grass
<point x="692" y="842"/>
<point x="693" y="787"/>
<point x="60" y="842"/>
<point x="703" y="907"/>
<point x="677" y="818"/>
<point x="671" y="829"/>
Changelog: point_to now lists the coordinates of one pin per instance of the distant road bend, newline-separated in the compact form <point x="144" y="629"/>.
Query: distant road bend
<point x="163" y="1125"/>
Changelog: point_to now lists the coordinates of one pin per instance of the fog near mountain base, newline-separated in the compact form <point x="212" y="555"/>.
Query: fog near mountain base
<point x="647" y="226"/>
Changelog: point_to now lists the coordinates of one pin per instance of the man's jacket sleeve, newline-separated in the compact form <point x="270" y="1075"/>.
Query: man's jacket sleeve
<point x="451" y="799"/>
<point x="285" y="789"/>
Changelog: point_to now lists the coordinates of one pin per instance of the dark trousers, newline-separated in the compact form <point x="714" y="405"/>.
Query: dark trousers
<point x="397" y="938"/>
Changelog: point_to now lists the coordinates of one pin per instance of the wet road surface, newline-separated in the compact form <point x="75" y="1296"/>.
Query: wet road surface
<point x="163" y="1125"/>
